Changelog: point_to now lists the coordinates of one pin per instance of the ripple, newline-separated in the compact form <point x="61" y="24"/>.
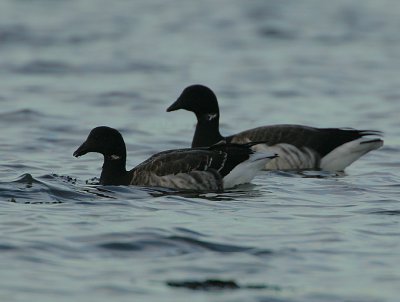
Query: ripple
<point x="19" y="33"/>
<point x="48" y="189"/>
<point x="272" y="32"/>
<point x="50" y="67"/>
<point x="386" y="212"/>
<point x="211" y="246"/>
<point x="45" y="67"/>
<point x="305" y="62"/>
<point x="121" y="246"/>
<point x="160" y="243"/>
<point x="12" y="33"/>
<point x="21" y="115"/>
<point x="180" y="244"/>
<point x="7" y="247"/>
<point x="109" y="98"/>
<point x="217" y="284"/>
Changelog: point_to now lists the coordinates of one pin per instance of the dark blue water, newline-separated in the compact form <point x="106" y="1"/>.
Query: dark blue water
<point x="68" y="66"/>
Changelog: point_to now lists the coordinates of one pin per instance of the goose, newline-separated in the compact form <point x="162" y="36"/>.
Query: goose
<point x="213" y="168"/>
<point x="298" y="147"/>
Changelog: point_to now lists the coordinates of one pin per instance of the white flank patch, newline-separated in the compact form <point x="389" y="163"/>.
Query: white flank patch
<point x="344" y="155"/>
<point x="290" y="157"/>
<point x="247" y="170"/>
<point x="194" y="180"/>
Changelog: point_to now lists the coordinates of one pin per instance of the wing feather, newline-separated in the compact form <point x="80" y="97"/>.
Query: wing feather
<point x="181" y="161"/>
<point x="322" y="140"/>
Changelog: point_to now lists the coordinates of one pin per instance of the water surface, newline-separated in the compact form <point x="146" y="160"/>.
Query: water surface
<point x="68" y="66"/>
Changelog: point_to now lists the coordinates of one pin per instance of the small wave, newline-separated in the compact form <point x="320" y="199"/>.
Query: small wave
<point x="111" y="97"/>
<point x="47" y="189"/>
<point x="127" y="67"/>
<point x="7" y="247"/>
<point x="211" y="246"/>
<point x="181" y="244"/>
<point x="21" y="115"/>
<point x="59" y="67"/>
<point x="272" y="32"/>
<point x="121" y="246"/>
<point x="45" y="67"/>
<point x="14" y="33"/>
<point x="17" y="34"/>
<point x="159" y="242"/>
<point x="218" y="284"/>
<point x="386" y="212"/>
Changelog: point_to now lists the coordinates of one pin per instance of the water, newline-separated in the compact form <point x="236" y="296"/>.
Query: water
<point x="68" y="66"/>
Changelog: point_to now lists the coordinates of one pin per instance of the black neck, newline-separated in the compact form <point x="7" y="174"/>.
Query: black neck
<point x="114" y="172"/>
<point x="207" y="131"/>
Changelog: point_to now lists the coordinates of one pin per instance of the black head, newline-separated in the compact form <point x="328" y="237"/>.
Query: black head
<point x="104" y="140"/>
<point x="198" y="99"/>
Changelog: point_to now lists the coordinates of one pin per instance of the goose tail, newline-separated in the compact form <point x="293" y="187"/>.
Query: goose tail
<point x="248" y="169"/>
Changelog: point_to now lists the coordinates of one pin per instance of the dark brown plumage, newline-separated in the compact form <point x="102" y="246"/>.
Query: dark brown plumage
<point x="200" y="169"/>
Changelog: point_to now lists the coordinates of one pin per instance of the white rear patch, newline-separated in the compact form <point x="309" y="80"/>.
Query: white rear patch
<point x="115" y="157"/>
<point x="290" y="157"/>
<point x="293" y="158"/>
<point x="344" y="155"/>
<point x="247" y="170"/>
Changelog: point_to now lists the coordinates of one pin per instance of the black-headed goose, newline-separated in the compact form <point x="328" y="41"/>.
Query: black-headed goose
<point x="212" y="168"/>
<point x="298" y="147"/>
